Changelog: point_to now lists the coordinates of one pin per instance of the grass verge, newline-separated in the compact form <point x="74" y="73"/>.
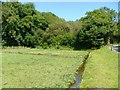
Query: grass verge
<point x="101" y="70"/>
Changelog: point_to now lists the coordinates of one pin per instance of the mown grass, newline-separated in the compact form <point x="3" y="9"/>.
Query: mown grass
<point x="0" y="67"/>
<point x="101" y="70"/>
<point x="39" y="68"/>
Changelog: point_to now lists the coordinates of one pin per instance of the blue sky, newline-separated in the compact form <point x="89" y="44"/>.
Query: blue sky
<point x="72" y="10"/>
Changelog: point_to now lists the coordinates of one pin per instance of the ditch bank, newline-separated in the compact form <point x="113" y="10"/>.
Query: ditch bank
<point x="79" y="74"/>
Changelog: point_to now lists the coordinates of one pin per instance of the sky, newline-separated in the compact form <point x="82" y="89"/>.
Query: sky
<point x="71" y="11"/>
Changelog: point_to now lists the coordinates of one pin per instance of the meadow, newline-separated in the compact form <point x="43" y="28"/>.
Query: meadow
<point x="39" y="68"/>
<point x="101" y="69"/>
<point x="53" y="68"/>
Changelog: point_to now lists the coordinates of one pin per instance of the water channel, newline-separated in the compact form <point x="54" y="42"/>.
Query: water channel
<point x="80" y="72"/>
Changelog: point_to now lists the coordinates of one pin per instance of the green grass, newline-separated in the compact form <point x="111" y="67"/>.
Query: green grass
<point x="101" y="70"/>
<point x="39" y="68"/>
<point x="0" y="68"/>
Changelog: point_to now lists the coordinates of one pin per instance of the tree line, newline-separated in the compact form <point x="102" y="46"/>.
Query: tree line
<point x="23" y="25"/>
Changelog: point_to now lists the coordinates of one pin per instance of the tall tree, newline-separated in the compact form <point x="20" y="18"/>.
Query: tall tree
<point x="96" y="30"/>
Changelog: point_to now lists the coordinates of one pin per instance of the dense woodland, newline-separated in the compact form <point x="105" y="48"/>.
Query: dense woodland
<point x="23" y="25"/>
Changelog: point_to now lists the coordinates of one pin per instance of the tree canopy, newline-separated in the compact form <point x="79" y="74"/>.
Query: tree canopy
<point x="23" y="25"/>
<point x="97" y="29"/>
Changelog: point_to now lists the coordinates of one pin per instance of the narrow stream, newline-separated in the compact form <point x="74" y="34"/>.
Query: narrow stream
<point x="80" y="73"/>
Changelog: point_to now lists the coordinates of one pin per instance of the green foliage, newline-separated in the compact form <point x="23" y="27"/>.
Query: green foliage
<point x="112" y="13"/>
<point x="97" y="29"/>
<point x="23" y="25"/>
<point x="52" y="18"/>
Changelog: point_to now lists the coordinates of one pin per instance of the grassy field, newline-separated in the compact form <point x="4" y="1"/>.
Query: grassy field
<point x="0" y="67"/>
<point x="39" y="68"/>
<point x="101" y="70"/>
